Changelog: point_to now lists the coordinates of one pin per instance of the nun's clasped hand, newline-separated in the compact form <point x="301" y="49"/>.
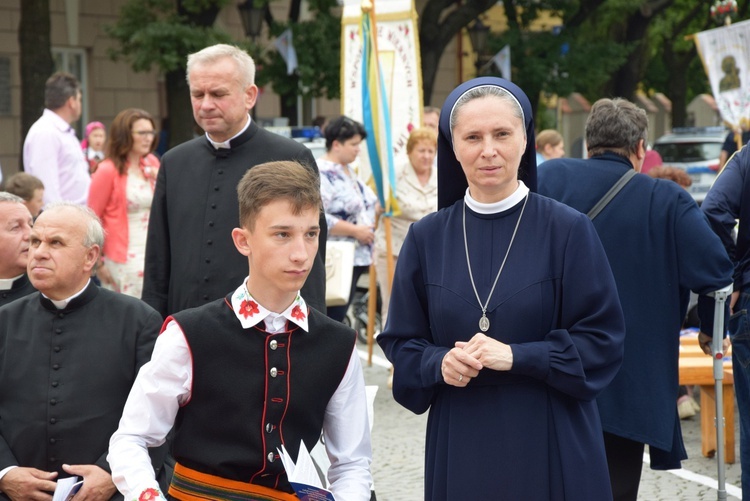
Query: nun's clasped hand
<point x="490" y="352"/>
<point x="458" y="367"/>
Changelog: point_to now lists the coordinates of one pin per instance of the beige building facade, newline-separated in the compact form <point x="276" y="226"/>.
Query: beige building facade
<point x="80" y="45"/>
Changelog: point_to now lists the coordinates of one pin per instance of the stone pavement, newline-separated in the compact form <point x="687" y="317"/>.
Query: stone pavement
<point x="398" y="453"/>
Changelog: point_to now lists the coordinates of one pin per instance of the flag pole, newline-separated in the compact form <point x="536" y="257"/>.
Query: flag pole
<point x="372" y="304"/>
<point x="376" y="113"/>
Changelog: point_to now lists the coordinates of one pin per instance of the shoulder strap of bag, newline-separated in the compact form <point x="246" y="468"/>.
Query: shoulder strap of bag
<point x="613" y="191"/>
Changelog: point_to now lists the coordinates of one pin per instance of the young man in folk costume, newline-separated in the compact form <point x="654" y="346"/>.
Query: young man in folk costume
<point x="243" y="375"/>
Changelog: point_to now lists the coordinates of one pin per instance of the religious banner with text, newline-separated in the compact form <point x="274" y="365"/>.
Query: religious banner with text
<point x="387" y="91"/>
<point x="725" y="53"/>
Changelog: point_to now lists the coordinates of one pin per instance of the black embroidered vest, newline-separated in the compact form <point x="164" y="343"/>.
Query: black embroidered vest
<point x="253" y="391"/>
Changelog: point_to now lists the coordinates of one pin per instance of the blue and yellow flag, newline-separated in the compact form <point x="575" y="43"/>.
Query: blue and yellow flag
<point x="376" y="115"/>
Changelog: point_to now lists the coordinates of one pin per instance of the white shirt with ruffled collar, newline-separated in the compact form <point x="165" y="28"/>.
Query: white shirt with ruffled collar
<point x="165" y="383"/>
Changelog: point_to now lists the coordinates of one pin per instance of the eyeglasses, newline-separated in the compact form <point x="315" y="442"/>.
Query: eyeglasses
<point x="144" y="132"/>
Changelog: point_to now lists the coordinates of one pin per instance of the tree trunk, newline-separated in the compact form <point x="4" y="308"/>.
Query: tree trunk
<point x="677" y="88"/>
<point x="624" y="82"/>
<point x="182" y="126"/>
<point x="289" y="107"/>
<point x="678" y="96"/>
<point x="288" y="102"/>
<point x="181" y="123"/>
<point x="36" y="62"/>
<point x="430" y="61"/>
<point x="437" y="30"/>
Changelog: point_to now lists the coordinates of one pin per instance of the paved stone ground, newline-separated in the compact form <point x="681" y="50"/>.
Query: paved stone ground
<point x="398" y="453"/>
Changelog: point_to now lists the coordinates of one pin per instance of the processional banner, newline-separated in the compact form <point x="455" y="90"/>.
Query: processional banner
<point x="725" y="53"/>
<point x="391" y="101"/>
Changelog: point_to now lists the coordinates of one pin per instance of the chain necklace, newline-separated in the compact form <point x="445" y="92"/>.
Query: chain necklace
<point x="484" y="322"/>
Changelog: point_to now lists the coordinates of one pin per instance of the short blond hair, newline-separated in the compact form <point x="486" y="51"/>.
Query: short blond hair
<point x="271" y="181"/>
<point x="421" y="134"/>
<point x="548" y="137"/>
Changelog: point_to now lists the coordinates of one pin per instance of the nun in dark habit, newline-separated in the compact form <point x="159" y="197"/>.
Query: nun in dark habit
<point x="504" y="321"/>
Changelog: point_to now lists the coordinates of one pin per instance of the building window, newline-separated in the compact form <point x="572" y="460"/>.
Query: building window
<point x="74" y="62"/>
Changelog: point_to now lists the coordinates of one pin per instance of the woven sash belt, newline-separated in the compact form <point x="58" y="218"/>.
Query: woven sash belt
<point x="191" y="485"/>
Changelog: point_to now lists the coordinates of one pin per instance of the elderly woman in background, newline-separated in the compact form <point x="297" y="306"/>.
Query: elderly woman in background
<point x="416" y="195"/>
<point x="121" y="192"/>
<point x="496" y="325"/>
<point x="349" y="204"/>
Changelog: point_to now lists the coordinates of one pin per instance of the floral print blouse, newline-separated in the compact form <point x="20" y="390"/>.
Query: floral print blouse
<point x="346" y="197"/>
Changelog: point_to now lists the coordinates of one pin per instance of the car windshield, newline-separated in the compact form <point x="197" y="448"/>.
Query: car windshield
<point x="688" y="152"/>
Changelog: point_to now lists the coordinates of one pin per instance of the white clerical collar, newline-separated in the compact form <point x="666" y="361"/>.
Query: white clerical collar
<point x="7" y="283"/>
<point x="250" y="312"/>
<point x="225" y="144"/>
<point x="495" y="207"/>
<point x="61" y="304"/>
<point x="95" y="155"/>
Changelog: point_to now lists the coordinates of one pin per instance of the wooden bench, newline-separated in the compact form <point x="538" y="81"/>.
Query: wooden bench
<point x="698" y="370"/>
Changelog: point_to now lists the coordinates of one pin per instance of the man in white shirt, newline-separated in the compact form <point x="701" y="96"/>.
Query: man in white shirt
<point x="51" y="150"/>
<point x="244" y="375"/>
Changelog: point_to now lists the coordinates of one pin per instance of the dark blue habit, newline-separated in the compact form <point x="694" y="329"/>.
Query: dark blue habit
<point x="660" y="247"/>
<point x="531" y="433"/>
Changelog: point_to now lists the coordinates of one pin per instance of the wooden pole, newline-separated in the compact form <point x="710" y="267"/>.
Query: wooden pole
<point x="372" y="302"/>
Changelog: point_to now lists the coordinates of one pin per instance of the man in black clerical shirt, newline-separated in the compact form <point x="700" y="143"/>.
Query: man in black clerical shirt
<point x="68" y="357"/>
<point x="15" y="227"/>
<point x="190" y="257"/>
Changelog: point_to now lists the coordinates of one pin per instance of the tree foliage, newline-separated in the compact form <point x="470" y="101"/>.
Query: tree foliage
<point x="673" y="53"/>
<point x="161" y="33"/>
<point x="569" y="57"/>
<point x="34" y="40"/>
<point x="609" y="48"/>
<point x="440" y="22"/>
<point x="318" y="46"/>
<point x="601" y="48"/>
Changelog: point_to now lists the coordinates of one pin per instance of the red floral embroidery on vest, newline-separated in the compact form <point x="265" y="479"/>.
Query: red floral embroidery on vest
<point x="249" y="308"/>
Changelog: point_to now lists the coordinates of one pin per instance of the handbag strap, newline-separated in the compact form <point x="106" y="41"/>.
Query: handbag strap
<point x="613" y="191"/>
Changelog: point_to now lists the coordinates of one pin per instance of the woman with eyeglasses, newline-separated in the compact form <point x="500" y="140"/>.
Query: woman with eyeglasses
<point x="121" y="192"/>
<point x="349" y="204"/>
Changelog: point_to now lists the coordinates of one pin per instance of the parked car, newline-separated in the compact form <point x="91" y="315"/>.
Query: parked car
<point x="308" y="135"/>
<point x="317" y="146"/>
<point x="696" y="150"/>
